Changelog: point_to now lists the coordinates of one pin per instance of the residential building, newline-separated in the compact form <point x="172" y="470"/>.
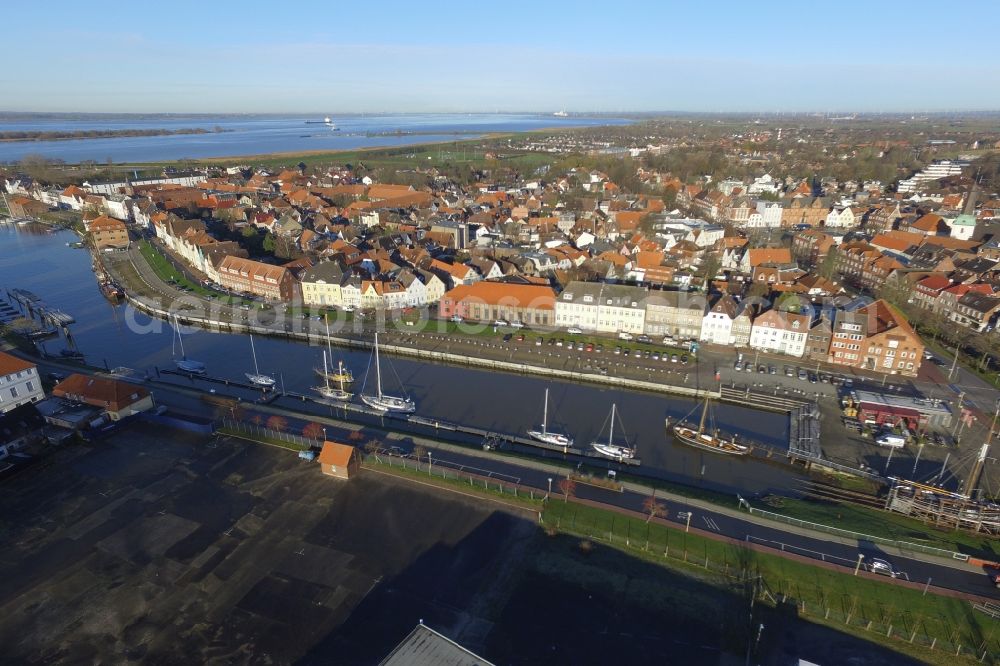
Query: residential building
<point x="19" y="427"/>
<point x="876" y="337"/>
<point x="678" y="314"/>
<point x="118" y="399"/>
<point x="743" y="325"/>
<point x="245" y="275"/>
<point x="529" y="304"/>
<point x="818" y="341"/>
<point x="782" y="332"/>
<point x="977" y="311"/>
<point x="108" y="232"/>
<point x="321" y="285"/>
<point x="608" y="308"/>
<point x="717" y="324"/>
<point x="19" y="382"/>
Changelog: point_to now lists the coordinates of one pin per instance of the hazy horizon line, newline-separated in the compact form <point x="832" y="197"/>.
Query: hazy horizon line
<point x="547" y="112"/>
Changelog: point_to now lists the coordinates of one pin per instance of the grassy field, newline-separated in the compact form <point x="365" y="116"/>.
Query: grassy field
<point x="168" y="273"/>
<point x="885" y="524"/>
<point x="871" y="608"/>
<point x="902" y="619"/>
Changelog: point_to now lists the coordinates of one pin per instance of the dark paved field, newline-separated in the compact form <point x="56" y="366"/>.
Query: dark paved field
<point x="159" y="548"/>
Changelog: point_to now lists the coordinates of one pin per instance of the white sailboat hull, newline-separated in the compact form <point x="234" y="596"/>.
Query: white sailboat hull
<point x="332" y="393"/>
<point x="260" y="380"/>
<point x="389" y="403"/>
<point x="554" y="438"/>
<point x="614" y="451"/>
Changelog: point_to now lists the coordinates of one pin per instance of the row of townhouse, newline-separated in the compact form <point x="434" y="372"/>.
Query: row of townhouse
<point x="872" y="336"/>
<point x="975" y="306"/>
<point x="331" y="284"/>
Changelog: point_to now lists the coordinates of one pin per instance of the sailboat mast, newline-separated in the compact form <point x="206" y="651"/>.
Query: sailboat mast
<point x="326" y="320"/>
<point x="180" y="338"/>
<point x="704" y="413"/>
<point x="611" y="428"/>
<point x="378" y="370"/>
<point x="545" y="412"/>
<point x="340" y="371"/>
<point x="326" y="375"/>
<point x="253" y="352"/>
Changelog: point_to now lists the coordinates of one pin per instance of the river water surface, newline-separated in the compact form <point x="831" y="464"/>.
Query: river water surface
<point x="34" y="259"/>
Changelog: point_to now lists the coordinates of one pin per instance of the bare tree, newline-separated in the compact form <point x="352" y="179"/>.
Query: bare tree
<point x="568" y="488"/>
<point x="419" y="452"/>
<point x="312" y="430"/>
<point x="653" y="508"/>
<point x="276" y="422"/>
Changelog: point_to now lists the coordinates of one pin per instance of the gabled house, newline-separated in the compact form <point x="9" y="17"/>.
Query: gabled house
<point x="717" y="324"/>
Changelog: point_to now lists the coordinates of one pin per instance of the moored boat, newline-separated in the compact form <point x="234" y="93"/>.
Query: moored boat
<point x="708" y="440"/>
<point x="609" y="449"/>
<point x="382" y="401"/>
<point x="547" y="436"/>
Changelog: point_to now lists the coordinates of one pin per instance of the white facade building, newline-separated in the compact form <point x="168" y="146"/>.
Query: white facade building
<point x="19" y="382"/>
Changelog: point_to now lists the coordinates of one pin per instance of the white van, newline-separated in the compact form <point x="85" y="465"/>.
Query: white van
<point x="891" y="440"/>
<point x="624" y="336"/>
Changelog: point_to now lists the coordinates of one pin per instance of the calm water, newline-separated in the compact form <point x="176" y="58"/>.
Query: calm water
<point x="255" y="135"/>
<point x="61" y="276"/>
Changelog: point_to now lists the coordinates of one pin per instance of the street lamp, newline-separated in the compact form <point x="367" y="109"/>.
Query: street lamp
<point x="550" y="488"/>
<point x="324" y="433"/>
<point x="861" y="556"/>
<point x="430" y="462"/>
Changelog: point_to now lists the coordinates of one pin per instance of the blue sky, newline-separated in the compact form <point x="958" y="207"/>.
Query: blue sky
<point x="338" y="57"/>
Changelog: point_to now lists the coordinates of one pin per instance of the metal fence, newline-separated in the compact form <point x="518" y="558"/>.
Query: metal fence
<point x="456" y="473"/>
<point x="263" y="432"/>
<point x="810" y="601"/>
<point x="848" y="534"/>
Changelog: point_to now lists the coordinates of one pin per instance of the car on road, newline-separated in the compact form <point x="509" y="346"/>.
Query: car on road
<point x="994" y="575"/>
<point x="879" y="566"/>
<point x="573" y="330"/>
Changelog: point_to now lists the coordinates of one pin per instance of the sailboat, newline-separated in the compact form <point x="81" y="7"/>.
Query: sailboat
<point x="184" y="363"/>
<point x="342" y="374"/>
<point x="384" y="402"/>
<point x="545" y="435"/>
<point x="610" y="449"/>
<point x="709" y="441"/>
<point x="326" y="391"/>
<point x="267" y="381"/>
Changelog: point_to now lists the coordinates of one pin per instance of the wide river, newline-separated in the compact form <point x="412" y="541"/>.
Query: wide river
<point x="258" y="135"/>
<point x="41" y="262"/>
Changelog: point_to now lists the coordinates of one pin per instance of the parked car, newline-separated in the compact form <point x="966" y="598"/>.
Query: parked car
<point x="457" y="319"/>
<point x="762" y="369"/>
<point x="789" y="371"/>
<point x="645" y="339"/>
<point x="803" y="375"/>
<point x="573" y="330"/>
<point x="538" y="342"/>
<point x="994" y="575"/>
<point x="771" y="370"/>
<point x="684" y="358"/>
<point x="879" y="566"/>
<point x="501" y="322"/>
<point x="624" y="336"/>
<point x="516" y="324"/>
<point x="892" y="440"/>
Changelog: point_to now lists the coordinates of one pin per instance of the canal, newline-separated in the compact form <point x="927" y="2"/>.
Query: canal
<point x="41" y="261"/>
